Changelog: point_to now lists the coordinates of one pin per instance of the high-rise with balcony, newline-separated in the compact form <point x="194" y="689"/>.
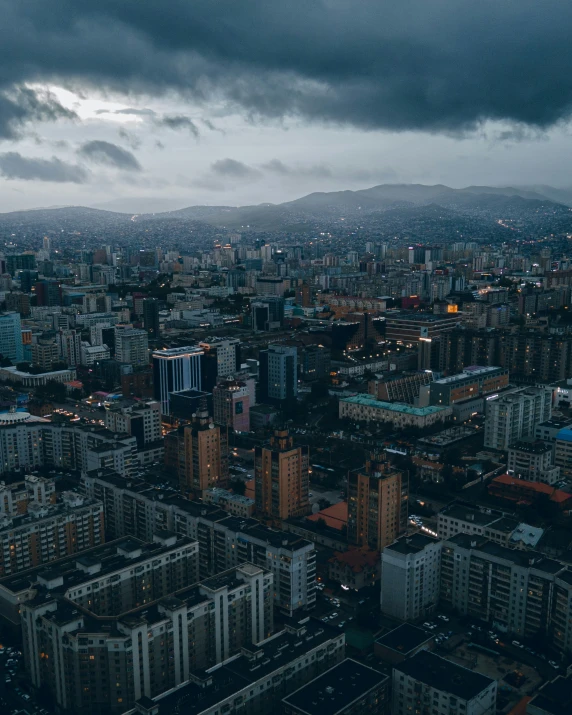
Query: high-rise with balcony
<point x="281" y="477"/>
<point x="278" y="373"/>
<point x="131" y="346"/>
<point x="377" y="504"/>
<point x="514" y="416"/>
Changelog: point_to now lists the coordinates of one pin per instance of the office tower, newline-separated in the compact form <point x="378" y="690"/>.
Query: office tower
<point x="267" y="313"/>
<point x="131" y="346"/>
<point x="151" y="317"/>
<point x="20" y="261"/>
<point x="48" y="293"/>
<point x="314" y="362"/>
<point x="281" y="477"/>
<point x="27" y="279"/>
<point x="44" y="351"/>
<point x="221" y="358"/>
<point x="11" y="345"/>
<point x="175" y="370"/>
<point x="49" y="531"/>
<point x="278" y="373"/>
<point x="69" y="347"/>
<point x="514" y="416"/>
<point x="205" y="455"/>
<point x="231" y="405"/>
<point x="377" y="504"/>
<point x="428" y="683"/>
<point x="410" y="577"/>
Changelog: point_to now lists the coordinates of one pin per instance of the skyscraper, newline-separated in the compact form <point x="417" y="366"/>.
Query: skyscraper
<point x="69" y="347"/>
<point x="11" y="337"/>
<point x="175" y="370"/>
<point x="377" y="504"/>
<point x="281" y="477"/>
<point x="151" y="317"/>
<point x="278" y="373"/>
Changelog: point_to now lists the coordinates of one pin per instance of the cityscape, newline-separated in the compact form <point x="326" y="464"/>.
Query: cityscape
<point x="285" y="358"/>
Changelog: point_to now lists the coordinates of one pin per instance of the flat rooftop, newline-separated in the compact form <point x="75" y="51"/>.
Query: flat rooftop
<point x="554" y="697"/>
<point x="469" y="373"/>
<point x="412" y="544"/>
<point x="336" y="689"/>
<point x="393" y="406"/>
<point x="444" y="675"/>
<point x="404" y="638"/>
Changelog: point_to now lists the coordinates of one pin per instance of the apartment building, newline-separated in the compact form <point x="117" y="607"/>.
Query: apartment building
<point x="458" y="518"/>
<point x="512" y="417"/>
<point x="16" y="494"/>
<point x="281" y="477"/>
<point x="377" y="504"/>
<point x="410" y="570"/>
<point x="131" y="345"/>
<point x="256" y="680"/>
<point x="428" y="683"/>
<point x="231" y="405"/>
<point x="33" y="443"/>
<point x="134" y="508"/>
<point x="46" y="532"/>
<point x="235" y="504"/>
<point x="332" y="693"/>
<point x="521" y="592"/>
<point x="150" y="631"/>
<point x="473" y="382"/>
<point x="362" y="408"/>
<point x="533" y="460"/>
<point x="563" y="451"/>
<point x="220" y="359"/>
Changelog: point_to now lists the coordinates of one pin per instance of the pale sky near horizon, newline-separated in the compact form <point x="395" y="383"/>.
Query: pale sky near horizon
<point x="170" y="104"/>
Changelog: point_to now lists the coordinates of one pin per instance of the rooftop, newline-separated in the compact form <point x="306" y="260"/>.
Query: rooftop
<point x="420" y="317"/>
<point x="393" y="406"/>
<point x="335" y="516"/>
<point x="444" y="675"/>
<point x="537" y="447"/>
<point x="565" y="435"/>
<point x="336" y="689"/>
<point x="554" y="697"/>
<point x="468" y="373"/>
<point x="404" y="638"/>
<point x="412" y="544"/>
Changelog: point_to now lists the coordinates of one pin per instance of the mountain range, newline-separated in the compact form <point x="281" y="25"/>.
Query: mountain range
<point x="378" y="204"/>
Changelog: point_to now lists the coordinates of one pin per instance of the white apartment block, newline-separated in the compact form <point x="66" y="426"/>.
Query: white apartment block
<point x="512" y="417"/>
<point x="410" y="574"/>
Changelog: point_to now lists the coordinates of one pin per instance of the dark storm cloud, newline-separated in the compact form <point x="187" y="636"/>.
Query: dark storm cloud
<point x="21" y="105"/>
<point x="15" y="166"/>
<point x="178" y="121"/>
<point x="109" y="154"/>
<point x="232" y="169"/>
<point x="443" y="65"/>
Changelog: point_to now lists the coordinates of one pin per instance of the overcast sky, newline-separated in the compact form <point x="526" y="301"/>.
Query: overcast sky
<point x="167" y="103"/>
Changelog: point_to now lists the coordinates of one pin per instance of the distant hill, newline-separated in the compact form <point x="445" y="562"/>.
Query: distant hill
<point x="537" y="206"/>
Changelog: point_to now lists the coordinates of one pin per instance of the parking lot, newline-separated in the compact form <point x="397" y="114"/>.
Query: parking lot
<point x="16" y="693"/>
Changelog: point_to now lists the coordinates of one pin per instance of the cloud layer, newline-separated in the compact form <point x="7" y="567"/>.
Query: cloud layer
<point x="108" y="154"/>
<point x="15" y="166"/>
<point x="440" y="66"/>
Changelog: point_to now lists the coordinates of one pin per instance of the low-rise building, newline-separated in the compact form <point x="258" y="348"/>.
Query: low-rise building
<point x="235" y="504"/>
<point x="457" y="518"/>
<point x="402" y="642"/>
<point x="362" y="408"/>
<point x="428" y="683"/>
<point x="474" y="381"/>
<point x="355" y="568"/>
<point x="533" y="460"/>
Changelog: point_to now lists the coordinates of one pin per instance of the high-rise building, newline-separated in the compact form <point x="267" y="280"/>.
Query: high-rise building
<point x="175" y="370"/>
<point x="410" y="577"/>
<point x="514" y="416"/>
<point x="44" y="351"/>
<point x="20" y="261"/>
<point x="141" y="420"/>
<point x="48" y="293"/>
<point x="231" y="405"/>
<point x="278" y="373"/>
<point x="221" y="358"/>
<point x="204" y="455"/>
<point x="19" y="302"/>
<point x="281" y="477"/>
<point x="27" y="279"/>
<point x="131" y="346"/>
<point x="267" y="313"/>
<point x="11" y="346"/>
<point x="69" y="347"/>
<point x="377" y="504"/>
<point x="151" y="317"/>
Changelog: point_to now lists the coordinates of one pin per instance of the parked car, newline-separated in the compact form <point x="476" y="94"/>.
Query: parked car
<point x="516" y="644"/>
<point x="443" y="618"/>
